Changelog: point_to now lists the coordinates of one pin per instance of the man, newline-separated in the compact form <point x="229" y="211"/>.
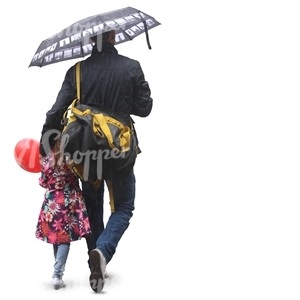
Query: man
<point x="117" y="83"/>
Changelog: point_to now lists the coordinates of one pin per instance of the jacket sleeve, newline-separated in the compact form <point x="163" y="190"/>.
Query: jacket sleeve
<point x="54" y="116"/>
<point x="142" y="101"/>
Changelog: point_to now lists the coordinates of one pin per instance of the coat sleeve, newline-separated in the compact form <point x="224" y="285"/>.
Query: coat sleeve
<point x="142" y="101"/>
<point x="54" y="116"/>
<point x="43" y="180"/>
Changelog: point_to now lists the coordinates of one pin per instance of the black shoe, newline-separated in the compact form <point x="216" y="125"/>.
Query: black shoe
<point x="98" y="264"/>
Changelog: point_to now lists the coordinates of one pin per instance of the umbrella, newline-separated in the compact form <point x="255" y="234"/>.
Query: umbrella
<point x="75" y="40"/>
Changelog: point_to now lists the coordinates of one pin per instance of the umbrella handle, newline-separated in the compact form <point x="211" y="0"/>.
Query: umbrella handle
<point x="146" y="30"/>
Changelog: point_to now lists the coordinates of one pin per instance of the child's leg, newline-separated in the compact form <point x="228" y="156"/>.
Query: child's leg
<point x="55" y="246"/>
<point x="61" y="252"/>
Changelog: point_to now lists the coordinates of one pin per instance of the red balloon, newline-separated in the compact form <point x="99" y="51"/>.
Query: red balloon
<point x="27" y="155"/>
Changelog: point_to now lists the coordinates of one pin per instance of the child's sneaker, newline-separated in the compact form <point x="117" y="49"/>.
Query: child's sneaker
<point x="58" y="283"/>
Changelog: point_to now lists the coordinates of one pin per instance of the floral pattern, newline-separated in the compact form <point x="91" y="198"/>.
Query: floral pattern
<point x="63" y="216"/>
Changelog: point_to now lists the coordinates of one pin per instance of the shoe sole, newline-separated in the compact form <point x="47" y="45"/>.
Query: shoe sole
<point x="97" y="278"/>
<point x="57" y="287"/>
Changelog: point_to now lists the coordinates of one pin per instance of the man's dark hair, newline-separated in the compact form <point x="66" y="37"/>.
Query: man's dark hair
<point x="104" y="36"/>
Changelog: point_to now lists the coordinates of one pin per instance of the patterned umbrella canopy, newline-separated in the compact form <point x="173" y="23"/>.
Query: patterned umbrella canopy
<point x="75" y="40"/>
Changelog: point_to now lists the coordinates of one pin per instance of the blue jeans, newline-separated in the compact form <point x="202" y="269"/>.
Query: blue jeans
<point x="61" y="252"/>
<point x="106" y="238"/>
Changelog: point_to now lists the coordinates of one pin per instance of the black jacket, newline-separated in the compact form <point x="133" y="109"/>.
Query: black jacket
<point x="108" y="79"/>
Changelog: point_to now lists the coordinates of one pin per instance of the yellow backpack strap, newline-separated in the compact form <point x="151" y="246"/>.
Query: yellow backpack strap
<point x="74" y="102"/>
<point x="125" y="133"/>
<point x="111" y="196"/>
<point x="78" y="79"/>
<point x="100" y="119"/>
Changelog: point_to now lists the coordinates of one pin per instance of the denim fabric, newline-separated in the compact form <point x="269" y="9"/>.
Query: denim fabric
<point x="61" y="252"/>
<point x="94" y="205"/>
<point x="106" y="238"/>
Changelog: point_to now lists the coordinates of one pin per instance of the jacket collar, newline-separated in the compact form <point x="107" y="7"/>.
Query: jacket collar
<point x="106" y="48"/>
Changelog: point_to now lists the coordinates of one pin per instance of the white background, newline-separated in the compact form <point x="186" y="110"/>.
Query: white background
<point x="217" y="204"/>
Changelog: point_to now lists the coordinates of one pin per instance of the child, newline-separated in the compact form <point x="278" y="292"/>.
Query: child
<point x="63" y="216"/>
